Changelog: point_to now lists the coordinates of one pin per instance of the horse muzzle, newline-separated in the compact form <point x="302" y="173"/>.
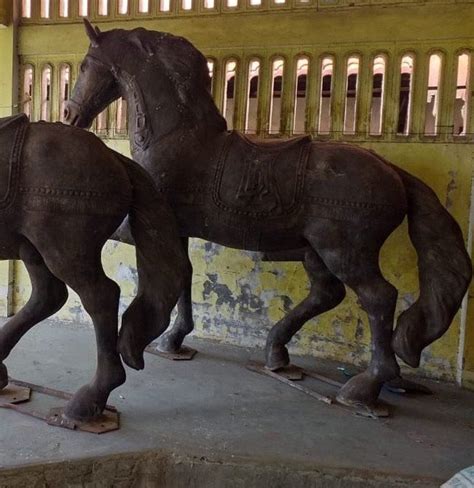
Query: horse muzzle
<point x="74" y="116"/>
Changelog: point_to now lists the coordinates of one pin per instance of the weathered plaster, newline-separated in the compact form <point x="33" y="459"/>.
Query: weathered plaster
<point x="7" y="53"/>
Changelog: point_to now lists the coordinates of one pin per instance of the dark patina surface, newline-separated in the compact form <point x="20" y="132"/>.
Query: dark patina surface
<point x="63" y="193"/>
<point x="338" y="202"/>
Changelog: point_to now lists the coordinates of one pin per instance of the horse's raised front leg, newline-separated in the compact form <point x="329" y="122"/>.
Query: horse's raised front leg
<point x="326" y="293"/>
<point x="172" y="340"/>
<point x="48" y="295"/>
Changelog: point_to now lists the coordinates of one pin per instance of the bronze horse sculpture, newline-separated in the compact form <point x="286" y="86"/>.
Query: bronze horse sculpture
<point x="63" y="194"/>
<point x="338" y="201"/>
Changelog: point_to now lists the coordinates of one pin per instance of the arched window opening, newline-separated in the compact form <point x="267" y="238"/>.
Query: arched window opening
<point x="462" y="95"/>
<point x="101" y="122"/>
<point x="122" y="116"/>
<point x="64" y="88"/>
<point x="276" y="95"/>
<point x="405" y="99"/>
<point x="46" y="93"/>
<point x="123" y="7"/>
<point x="27" y="95"/>
<point x="64" y="8"/>
<point x="83" y="8"/>
<point x="143" y="6"/>
<point x="255" y="3"/>
<point x="252" y="97"/>
<point x="187" y="4"/>
<point x="352" y="86"/>
<point x="232" y="3"/>
<point x="103" y="7"/>
<point x="299" y="121"/>
<point x="45" y="10"/>
<point x="229" y="93"/>
<point x="432" y="95"/>
<point x="325" y="99"/>
<point x="209" y="4"/>
<point x="279" y="2"/>
<point x="165" y="5"/>
<point x="26" y="9"/>
<point x="211" y="67"/>
<point x="378" y="96"/>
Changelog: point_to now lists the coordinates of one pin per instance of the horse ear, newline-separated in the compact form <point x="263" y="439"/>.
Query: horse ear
<point x="92" y="33"/>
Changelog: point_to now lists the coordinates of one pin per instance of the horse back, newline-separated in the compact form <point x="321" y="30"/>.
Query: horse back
<point x="69" y="170"/>
<point x="347" y="182"/>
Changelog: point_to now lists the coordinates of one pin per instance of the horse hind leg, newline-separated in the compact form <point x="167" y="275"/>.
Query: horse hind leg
<point x="48" y="295"/>
<point x="353" y="258"/>
<point x="172" y="340"/>
<point x="326" y="292"/>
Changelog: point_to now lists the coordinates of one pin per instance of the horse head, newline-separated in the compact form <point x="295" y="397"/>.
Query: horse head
<point x="165" y="76"/>
<point x="96" y="86"/>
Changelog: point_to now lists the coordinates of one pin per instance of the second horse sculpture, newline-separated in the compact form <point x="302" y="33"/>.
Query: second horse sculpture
<point x="339" y="201"/>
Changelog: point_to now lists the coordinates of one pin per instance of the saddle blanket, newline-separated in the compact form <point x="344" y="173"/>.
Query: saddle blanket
<point x="261" y="179"/>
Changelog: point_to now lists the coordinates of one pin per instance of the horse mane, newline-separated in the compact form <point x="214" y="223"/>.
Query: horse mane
<point x="184" y="65"/>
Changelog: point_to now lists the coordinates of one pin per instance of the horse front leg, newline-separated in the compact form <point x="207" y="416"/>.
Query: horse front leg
<point x="172" y="340"/>
<point x="100" y="298"/>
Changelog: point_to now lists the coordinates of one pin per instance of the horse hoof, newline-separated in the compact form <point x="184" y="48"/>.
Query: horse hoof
<point x="277" y="358"/>
<point x="132" y="355"/>
<point x="406" y="350"/>
<point x="169" y="343"/>
<point x="361" y="390"/>
<point x="84" y="406"/>
<point x="3" y="376"/>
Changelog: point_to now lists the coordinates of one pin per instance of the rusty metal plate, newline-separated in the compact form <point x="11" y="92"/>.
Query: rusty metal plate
<point x="184" y="354"/>
<point x="14" y="394"/>
<point x="291" y="372"/>
<point x="109" y="421"/>
<point x="379" y="410"/>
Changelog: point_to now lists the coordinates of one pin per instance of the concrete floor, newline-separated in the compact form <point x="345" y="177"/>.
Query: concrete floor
<point x="229" y="426"/>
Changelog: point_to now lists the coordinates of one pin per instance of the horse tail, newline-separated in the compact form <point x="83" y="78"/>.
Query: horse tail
<point x="162" y="267"/>
<point x="444" y="266"/>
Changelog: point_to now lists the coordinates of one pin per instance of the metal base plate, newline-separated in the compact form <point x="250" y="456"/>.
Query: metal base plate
<point x="402" y="385"/>
<point x="376" y="411"/>
<point x="107" y="422"/>
<point x="184" y="354"/>
<point x="14" y="394"/>
<point x="379" y="410"/>
<point x="290" y="372"/>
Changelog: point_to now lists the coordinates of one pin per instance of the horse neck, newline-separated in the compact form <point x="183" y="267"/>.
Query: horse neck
<point x="154" y="117"/>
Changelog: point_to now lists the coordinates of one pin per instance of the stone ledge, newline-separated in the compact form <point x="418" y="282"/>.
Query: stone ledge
<point x="171" y="470"/>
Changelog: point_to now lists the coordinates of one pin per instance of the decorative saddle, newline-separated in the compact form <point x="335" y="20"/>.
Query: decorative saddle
<point x="12" y="137"/>
<point x="261" y="179"/>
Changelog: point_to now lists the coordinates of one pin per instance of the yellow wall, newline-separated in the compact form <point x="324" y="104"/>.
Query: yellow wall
<point x="237" y="297"/>
<point x="6" y="108"/>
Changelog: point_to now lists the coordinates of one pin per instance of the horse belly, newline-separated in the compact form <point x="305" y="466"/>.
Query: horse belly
<point x="239" y="232"/>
